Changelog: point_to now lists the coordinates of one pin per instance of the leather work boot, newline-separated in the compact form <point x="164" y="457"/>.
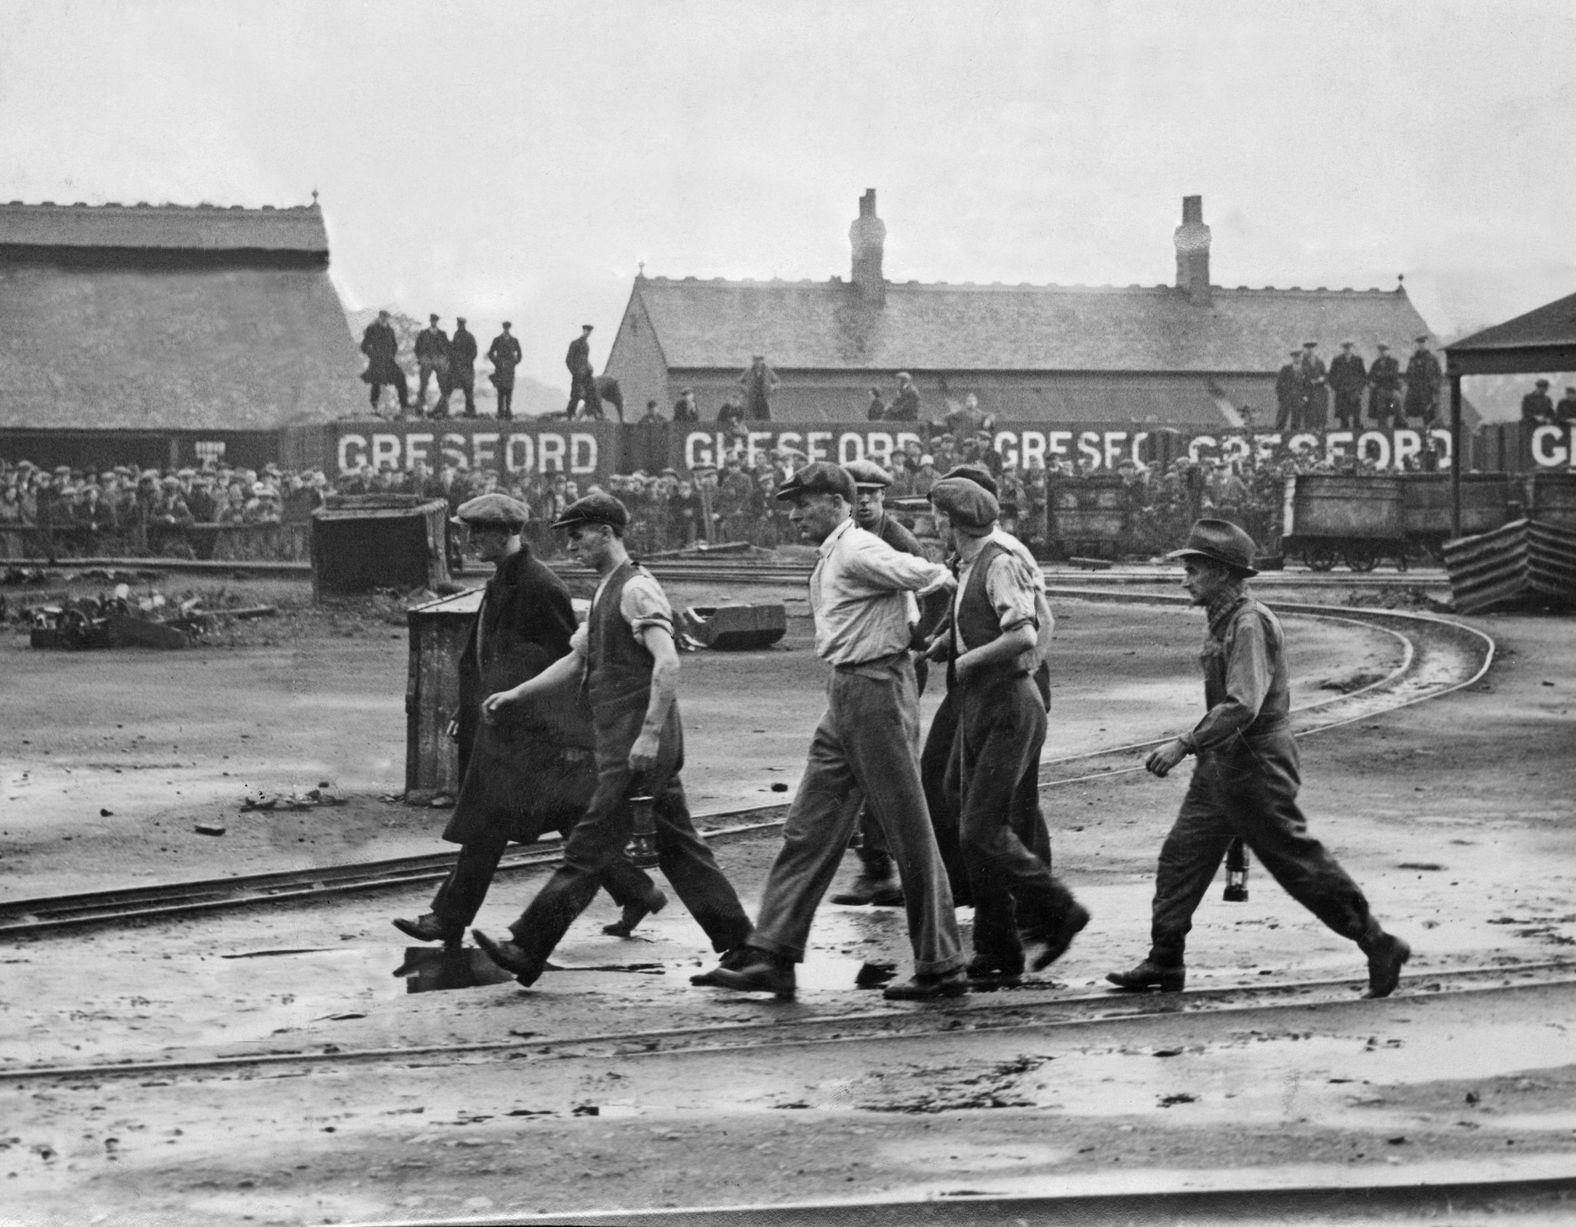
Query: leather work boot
<point x="929" y="986"/>
<point x="732" y="960"/>
<point x="510" y="957"/>
<point x="428" y="928"/>
<point x="1060" y="935"/>
<point x="762" y="973"/>
<point x="635" y="912"/>
<point x="986" y="974"/>
<point x="1386" y="956"/>
<point x="1148" y="975"/>
<point x="877" y="883"/>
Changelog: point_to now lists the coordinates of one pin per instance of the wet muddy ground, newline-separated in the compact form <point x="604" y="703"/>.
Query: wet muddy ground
<point x="1456" y="815"/>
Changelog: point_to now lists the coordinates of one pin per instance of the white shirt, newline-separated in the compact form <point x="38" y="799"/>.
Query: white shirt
<point x="862" y="595"/>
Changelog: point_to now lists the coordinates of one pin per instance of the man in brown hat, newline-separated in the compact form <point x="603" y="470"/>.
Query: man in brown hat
<point x="530" y="771"/>
<point x="1246" y="781"/>
<point x="625" y="659"/>
<point x="862" y="597"/>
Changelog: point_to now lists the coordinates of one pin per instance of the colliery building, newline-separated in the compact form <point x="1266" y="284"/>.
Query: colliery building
<point x="169" y="321"/>
<point x="1189" y="353"/>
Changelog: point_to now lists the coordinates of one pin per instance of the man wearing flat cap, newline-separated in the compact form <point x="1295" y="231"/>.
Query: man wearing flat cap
<point x="1537" y="409"/>
<point x="1246" y="781"/>
<point x="1384" y="382"/>
<point x="462" y="371"/>
<point x="432" y="358"/>
<point x="582" y="381"/>
<point x="505" y="354"/>
<point x="993" y="646"/>
<point x="624" y="659"/>
<point x="905" y="405"/>
<point x="1423" y="379"/>
<point x="759" y="381"/>
<point x="862" y="596"/>
<point x="381" y="346"/>
<point x="877" y="882"/>
<point x="528" y="770"/>
<point x="1348" y="378"/>
<point x="1315" y="384"/>
<point x="1288" y="393"/>
<point x="1565" y="411"/>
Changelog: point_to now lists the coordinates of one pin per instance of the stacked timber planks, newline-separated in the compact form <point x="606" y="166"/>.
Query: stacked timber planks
<point x="1527" y="562"/>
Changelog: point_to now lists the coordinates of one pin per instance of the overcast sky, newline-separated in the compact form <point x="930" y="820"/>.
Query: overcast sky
<point x="519" y="159"/>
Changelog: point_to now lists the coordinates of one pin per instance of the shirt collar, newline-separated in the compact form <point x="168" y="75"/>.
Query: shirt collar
<point x="834" y="536"/>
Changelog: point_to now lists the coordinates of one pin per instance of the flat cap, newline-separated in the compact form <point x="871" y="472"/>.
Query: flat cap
<point x="1222" y="541"/>
<point x="596" y="508"/>
<point x="432" y="319"/>
<point x="968" y="505"/>
<point x="818" y="477"/>
<point x="494" y="510"/>
<point x="868" y="473"/>
<point x="1422" y="340"/>
<point x="1542" y="383"/>
<point x="977" y="473"/>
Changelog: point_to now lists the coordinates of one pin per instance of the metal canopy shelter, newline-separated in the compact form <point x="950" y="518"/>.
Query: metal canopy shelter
<point x="1543" y="339"/>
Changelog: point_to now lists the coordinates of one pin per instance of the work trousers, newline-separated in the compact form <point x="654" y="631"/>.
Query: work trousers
<point x="1028" y="820"/>
<point x="1001" y="730"/>
<point x="461" y="380"/>
<point x="596" y="845"/>
<point x="868" y="739"/>
<point x="426" y="369"/>
<point x="1349" y="409"/>
<point x="397" y="378"/>
<point x="1249" y="788"/>
<point x="582" y="387"/>
<point x="462" y="893"/>
<point x="505" y="401"/>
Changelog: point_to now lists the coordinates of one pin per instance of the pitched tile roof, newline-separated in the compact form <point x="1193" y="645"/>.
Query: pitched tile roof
<point x="164" y="227"/>
<point x="827" y="326"/>
<point x="209" y="348"/>
<point x="1551" y="324"/>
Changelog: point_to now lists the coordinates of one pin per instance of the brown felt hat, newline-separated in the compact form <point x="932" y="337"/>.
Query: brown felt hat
<point x="1222" y="541"/>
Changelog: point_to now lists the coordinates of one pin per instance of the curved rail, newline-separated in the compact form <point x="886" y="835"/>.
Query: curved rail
<point x="1440" y="657"/>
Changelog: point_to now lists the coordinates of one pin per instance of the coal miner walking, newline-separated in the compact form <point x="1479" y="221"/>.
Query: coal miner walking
<point x="529" y="771"/>
<point x="625" y="659"/>
<point x="862" y="596"/>
<point x="1247" y="777"/>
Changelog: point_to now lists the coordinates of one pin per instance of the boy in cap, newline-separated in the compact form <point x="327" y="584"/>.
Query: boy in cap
<point x="862" y="597"/>
<point x="1246" y="781"/>
<point x="625" y="659"/>
<point x="993" y="650"/>
<point x="526" y="773"/>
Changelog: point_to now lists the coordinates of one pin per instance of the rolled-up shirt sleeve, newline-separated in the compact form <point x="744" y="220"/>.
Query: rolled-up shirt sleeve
<point x="1011" y="592"/>
<point x="644" y="604"/>
<point x="1246" y="672"/>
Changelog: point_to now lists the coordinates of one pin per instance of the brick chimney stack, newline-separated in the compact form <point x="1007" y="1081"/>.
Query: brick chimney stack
<point x="1192" y="240"/>
<point x="868" y="237"/>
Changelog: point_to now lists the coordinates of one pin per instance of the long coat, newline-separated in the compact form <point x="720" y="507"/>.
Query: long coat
<point x="532" y="770"/>
<point x="381" y="347"/>
<point x="504" y="354"/>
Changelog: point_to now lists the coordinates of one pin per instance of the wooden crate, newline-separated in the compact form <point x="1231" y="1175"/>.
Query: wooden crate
<point x="373" y="543"/>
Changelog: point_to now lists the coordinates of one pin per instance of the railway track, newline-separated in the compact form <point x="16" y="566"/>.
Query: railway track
<point x="1438" y="657"/>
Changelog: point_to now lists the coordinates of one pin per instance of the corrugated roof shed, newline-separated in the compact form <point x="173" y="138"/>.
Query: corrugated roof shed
<point x="208" y="228"/>
<point x="829" y="326"/>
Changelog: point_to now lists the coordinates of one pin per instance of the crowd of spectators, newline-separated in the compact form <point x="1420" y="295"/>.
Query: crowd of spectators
<point x="126" y="512"/>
